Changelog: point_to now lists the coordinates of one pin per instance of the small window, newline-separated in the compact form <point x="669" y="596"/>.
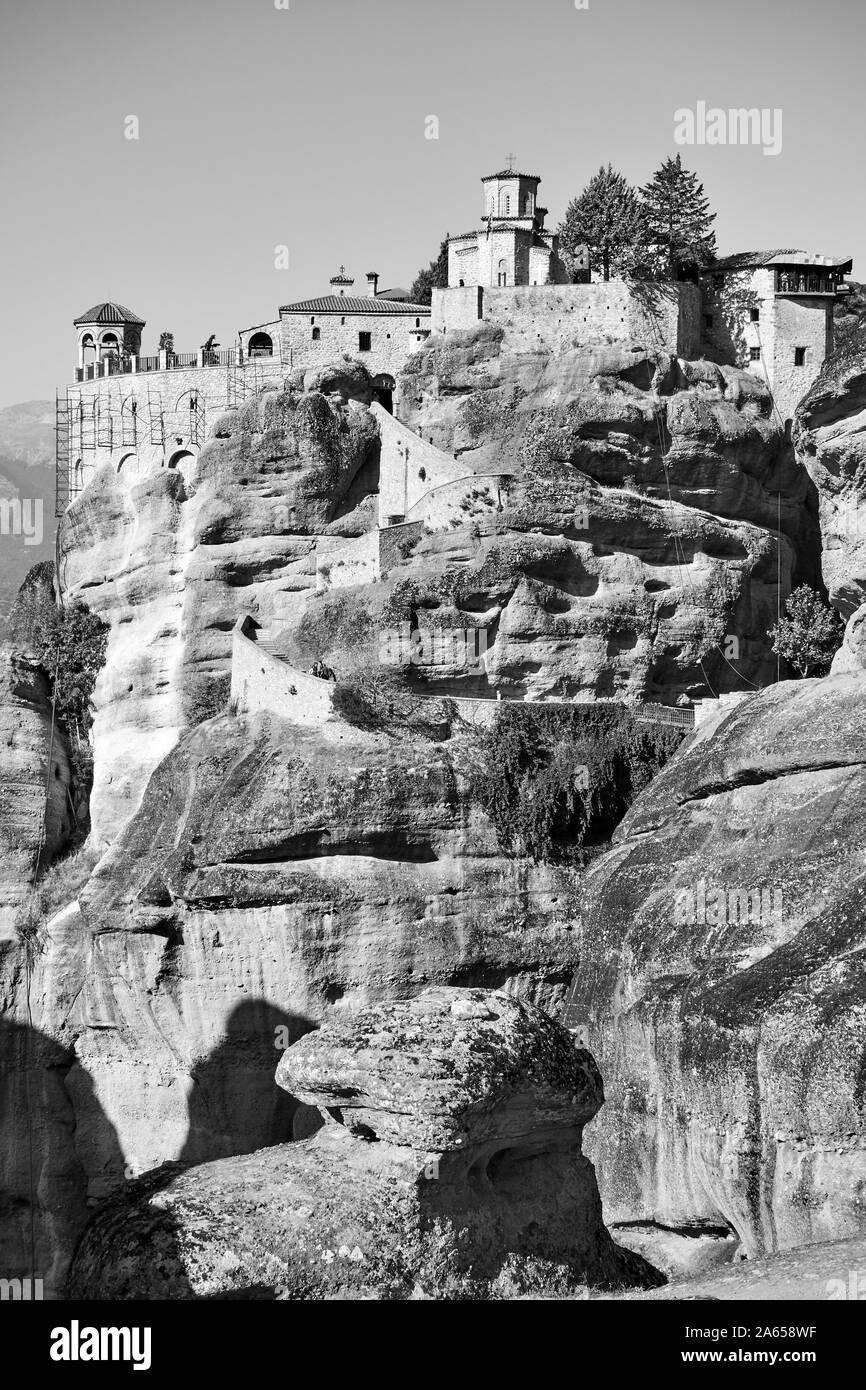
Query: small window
<point x="799" y="357"/>
<point x="317" y="333"/>
<point x="754" y="315"/>
<point x="365" y="342"/>
<point x="313" y="319"/>
<point x="507" y="207"/>
<point x="708" y="320"/>
<point x="417" y="323"/>
<point x="755" y="354"/>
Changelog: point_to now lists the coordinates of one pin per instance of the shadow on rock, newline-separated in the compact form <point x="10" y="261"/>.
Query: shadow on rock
<point x="235" y="1105"/>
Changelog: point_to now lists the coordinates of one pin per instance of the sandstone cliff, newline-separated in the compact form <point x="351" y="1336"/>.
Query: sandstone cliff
<point x="606" y="571"/>
<point x="271" y="876"/>
<point x="721" y="983"/>
<point x="831" y="445"/>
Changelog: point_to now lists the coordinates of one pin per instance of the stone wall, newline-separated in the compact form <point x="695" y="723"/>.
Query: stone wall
<point x="261" y="681"/>
<point x="391" y="538"/>
<point x="805" y="323"/>
<point x="162" y="428"/>
<point x="409" y="467"/>
<point x="393" y="337"/>
<point x="461" y="499"/>
<point x="784" y="323"/>
<point x="343" y="561"/>
<point x="545" y="317"/>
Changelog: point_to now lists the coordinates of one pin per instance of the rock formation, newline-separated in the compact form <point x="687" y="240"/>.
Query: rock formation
<point x="606" y="573"/>
<point x="34" y="782"/>
<point x="851" y="656"/>
<point x="830" y="443"/>
<point x="450" y="1166"/>
<point x="721" y="983"/>
<point x="170" y="562"/>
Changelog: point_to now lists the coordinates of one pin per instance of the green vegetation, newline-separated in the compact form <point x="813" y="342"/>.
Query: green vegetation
<point x="58" y="886"/>
<point x="210" y="699"/>
<point x="661" y="231"/>
<point x="679" y="223"/>
<point x="557" y="782"/>
<point x="810" y="633"/>
<point x="607" y="217"/>
<point x="434" y="277"/>
<point x="69" y="644"/>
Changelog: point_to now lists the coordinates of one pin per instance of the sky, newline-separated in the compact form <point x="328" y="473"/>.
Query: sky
<point x="305" y="126"/>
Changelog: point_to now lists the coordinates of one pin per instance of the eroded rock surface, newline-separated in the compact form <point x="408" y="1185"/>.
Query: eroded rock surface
<point x="729" y="1027"/>
<point x="830" y="439"/>
<point x="272" y="876"/>
<point x="35" y="807"/>
<point x="451" y="1161"/>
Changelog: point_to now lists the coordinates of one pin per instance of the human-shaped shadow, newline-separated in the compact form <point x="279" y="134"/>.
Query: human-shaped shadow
<point x="235" y="1105"/>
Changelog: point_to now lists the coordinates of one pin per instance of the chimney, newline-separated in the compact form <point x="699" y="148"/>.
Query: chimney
<point x="372" y="283"/>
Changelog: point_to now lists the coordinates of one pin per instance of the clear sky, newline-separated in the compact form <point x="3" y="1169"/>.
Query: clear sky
<point x="306" y="127"/>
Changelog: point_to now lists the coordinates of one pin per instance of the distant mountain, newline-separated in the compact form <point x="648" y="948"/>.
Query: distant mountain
<point x="26" y="475"/>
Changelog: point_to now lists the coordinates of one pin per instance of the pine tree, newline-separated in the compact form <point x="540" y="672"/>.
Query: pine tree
<point x="434" y="277"/>
<point x="679" y="220"/>
<point x="608" y="218"/>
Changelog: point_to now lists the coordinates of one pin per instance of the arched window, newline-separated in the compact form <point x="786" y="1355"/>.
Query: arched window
<point x="502" y="273"/>
<point x="317" y="333"/>
<point x="261" y="345"/>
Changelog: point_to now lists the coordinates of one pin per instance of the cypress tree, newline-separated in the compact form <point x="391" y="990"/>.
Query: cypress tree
<point x="679" y="221"/>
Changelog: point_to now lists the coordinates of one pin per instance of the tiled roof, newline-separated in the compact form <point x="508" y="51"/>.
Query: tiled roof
<point x="746" y="260"/>
<point x="108" y="312"/>
<point x="352" y="304"/>
<point x="395" y="294"/>
<point x="510" y="174"/>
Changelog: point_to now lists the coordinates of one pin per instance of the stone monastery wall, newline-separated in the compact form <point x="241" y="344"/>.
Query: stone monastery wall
<point x="263" y="682"/>
<point x="409" y="467"/>
<point x="551" y="316"/>
<point x="140" y="422"/>
<point x="392" y="337"/>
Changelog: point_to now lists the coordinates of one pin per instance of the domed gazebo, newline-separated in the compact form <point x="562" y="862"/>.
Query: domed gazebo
<point x="104" y="330"/>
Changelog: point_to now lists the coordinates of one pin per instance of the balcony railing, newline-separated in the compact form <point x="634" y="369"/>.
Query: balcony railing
<point x="798" y="281"/>
<point x="162" y="362"/>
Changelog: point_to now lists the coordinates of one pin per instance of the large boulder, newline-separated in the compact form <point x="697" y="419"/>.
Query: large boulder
<point x="451" y="1163"/>
<point x="722" y="984"/>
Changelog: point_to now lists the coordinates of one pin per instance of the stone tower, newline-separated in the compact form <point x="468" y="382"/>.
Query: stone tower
<point x="512" y="247"/>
